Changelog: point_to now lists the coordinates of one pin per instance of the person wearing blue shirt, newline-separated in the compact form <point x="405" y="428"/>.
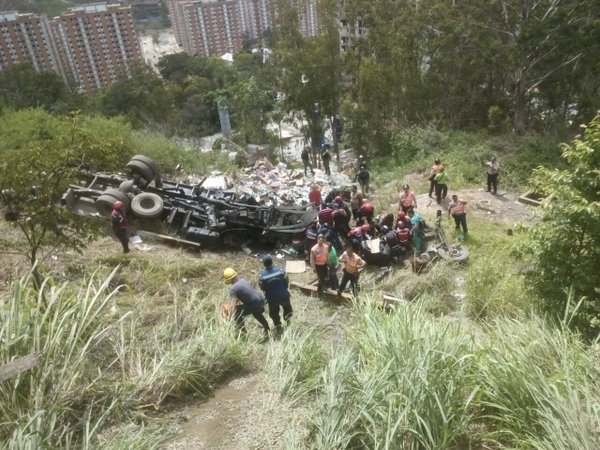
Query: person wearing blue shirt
<point x="248" y="301"/>
<point x="274" y="283"/>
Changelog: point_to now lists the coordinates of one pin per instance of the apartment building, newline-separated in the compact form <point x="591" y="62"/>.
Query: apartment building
<point x="215" y="27"/>
<point x="97" y="44"/>
<point x="26" y="39"/>
<point x="208" y="27"/>
<point x="90" y="46"/>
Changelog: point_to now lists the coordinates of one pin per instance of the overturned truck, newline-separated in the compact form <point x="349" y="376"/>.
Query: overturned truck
<point x="211" y="217"/>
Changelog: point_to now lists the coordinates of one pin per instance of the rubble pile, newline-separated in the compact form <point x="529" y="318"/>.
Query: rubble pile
<point x="277" y="185"/>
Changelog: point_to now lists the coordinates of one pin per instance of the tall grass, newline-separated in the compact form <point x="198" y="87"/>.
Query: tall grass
<point x="39" y="407"/>
<point x="409" y="381"/>
<point x="104" y="367"/>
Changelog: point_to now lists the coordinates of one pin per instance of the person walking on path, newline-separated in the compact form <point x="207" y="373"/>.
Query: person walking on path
<point x="318" y="261"/>
<point x="458" y="211"/>
<point x="326" y="157"/>
<point x="248" y="301"/>
<point x="441" y="185"/>
<point x="363" y="177"/>
<point x="305" y="155"/>
<point x="408" y="199"/>
<point x="119" y="224"/>
<point x="492" y="168"/>
<point x="417" y="232"/>
<point x="351" y="263"/>
<point x="274" y="283"/>
<point x="435" y="169"/>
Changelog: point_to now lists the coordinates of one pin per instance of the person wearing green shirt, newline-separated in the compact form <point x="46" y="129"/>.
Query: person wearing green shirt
<point x="441" y="188"/>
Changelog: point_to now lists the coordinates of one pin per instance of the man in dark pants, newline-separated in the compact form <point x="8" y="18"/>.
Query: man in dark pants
<point x="119" y="224"/>
<point x="249" y="301"/>
<point x="363" y="177"/>
<point x="492" y="169"/>
<point x="352" y="264"/>
<point x="457" y="210"/>
<point x="318" y="260"/>
<point x="326" y="157"/>
<point x="274" y="283"/>
<point x="305" y="155"/>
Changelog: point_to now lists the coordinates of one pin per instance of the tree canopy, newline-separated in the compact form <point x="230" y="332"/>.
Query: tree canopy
<point x="564" y="248"/>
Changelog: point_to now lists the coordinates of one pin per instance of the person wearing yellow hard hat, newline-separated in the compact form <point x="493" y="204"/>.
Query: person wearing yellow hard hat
<point x="249" y="301"/>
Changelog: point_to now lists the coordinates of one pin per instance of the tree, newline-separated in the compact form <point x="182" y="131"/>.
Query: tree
<point x="35" y="176"/>
<point x="23" y="87"/>
<point x="564" y="248"/>
<point x="143" y="99"/>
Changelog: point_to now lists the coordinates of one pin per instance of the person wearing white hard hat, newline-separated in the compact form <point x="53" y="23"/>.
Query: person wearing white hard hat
<point x="248" y="301"/>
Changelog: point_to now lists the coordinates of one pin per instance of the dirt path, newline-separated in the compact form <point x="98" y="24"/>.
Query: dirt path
<point x="242" y="414"/>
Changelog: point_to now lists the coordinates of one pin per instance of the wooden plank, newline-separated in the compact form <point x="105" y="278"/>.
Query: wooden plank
<point x="329" y="293"/>
<point x="170" y="239"/>
<point x="19" y="365"/>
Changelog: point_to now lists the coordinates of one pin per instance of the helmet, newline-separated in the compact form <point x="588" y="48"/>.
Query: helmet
<point x="228" y="275"/>
<point x="267" y="260"/>
<point x="118" y="204"/>
<point x="406" y="186"/>
<point x="365" y="228"/>
<point x="385" y="228"/>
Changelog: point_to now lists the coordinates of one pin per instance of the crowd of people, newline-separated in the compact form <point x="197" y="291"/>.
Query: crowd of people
<point x="343" y="226"/>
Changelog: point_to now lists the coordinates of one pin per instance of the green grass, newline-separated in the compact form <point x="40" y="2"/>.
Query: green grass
<point x="405" y="380"/>
<point x="103" y="365"/>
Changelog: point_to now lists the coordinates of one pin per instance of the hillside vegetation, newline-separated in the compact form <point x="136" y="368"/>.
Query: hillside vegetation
<point x="471" y="360"/>
<point x="501" y="352"/>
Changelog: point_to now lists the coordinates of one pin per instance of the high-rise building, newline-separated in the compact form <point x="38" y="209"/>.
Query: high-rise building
<point x="90" y="46"/>
<point x="208" y="27"/>
<point x="97" y="44"/>
<point x="26" y="39"/>
<point x="215" y="27"/>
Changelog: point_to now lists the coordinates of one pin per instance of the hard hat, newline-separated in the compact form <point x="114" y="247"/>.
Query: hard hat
<point x="228" y="275"/>
<point x="385" y="228"/>
<point x="118" y="204"/>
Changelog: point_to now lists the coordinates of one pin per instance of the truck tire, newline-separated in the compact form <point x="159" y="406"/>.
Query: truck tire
<point x="105" y="201"/>
<point x="149" y="162"/>
<point x="454" y="253"/>
<point x="147" y="205"/>
<point x="142" y="169"/>
<point x="127" y="186"/>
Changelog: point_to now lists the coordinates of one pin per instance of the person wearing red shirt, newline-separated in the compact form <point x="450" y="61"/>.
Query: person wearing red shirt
<point x="314" y="196"/>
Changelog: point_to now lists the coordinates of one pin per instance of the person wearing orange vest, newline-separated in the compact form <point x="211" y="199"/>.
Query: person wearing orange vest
<point x="318" y="260"/>
<point x="352" y="263"/>
<point x="457" y="209"/>
<point x="408" y="200"/>
<point x="435" y="169"/>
